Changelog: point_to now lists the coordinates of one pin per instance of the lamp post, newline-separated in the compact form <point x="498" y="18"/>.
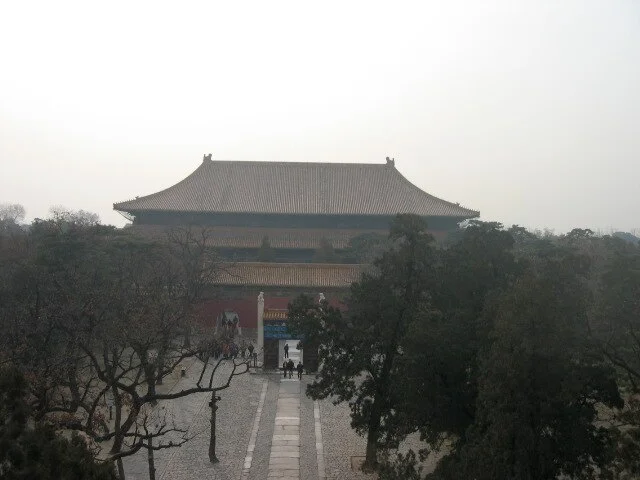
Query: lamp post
<point x="150" y="460"/>
<point x="212" y="441"/>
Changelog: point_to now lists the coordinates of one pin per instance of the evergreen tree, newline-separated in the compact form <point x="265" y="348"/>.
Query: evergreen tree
<point x="365" y="248"/>
<point x="38" y="453"/>
<point x="266" y="253"/>
<point x="501" y="367"/>
<point x="615" y="329"/>
<point x="359" y="350"/>
<point x="539" y="386"/>
<point x="441" y="362"/>
<point x="325" y="252"/>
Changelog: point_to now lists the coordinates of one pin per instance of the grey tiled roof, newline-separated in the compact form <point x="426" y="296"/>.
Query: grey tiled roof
<point x="316" y="275"/>
<point x="296" y="188"/>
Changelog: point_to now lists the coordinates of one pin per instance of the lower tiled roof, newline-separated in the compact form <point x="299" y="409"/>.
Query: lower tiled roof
<point x="275" y="314"/>
<point x="316" y="275"/>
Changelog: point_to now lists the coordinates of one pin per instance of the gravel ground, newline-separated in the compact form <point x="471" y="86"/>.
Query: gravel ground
<point x="260" y="463"/>
<point x="308" y="462"/>
<point x="234" y="422"/>
<point x="341" y="443"/>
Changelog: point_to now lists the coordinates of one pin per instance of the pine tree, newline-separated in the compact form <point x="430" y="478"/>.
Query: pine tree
<point x="266" y="253"/>
<point x="325" y="252"/>
<point x="359" y="350"/>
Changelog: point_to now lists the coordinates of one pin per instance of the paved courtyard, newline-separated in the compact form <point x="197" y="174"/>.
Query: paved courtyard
<point x="266" y="428"/>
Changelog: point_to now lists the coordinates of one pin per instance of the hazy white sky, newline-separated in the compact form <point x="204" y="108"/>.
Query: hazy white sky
<point x="528" y="111"/>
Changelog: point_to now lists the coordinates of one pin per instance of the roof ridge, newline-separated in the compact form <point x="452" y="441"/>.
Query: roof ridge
<point x="284" y="162"/>
<point x="297" y="264"/>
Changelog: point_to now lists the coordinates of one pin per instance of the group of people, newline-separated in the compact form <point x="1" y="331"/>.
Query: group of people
<point x="288" y="366"/>
<point x="231" y="350"/>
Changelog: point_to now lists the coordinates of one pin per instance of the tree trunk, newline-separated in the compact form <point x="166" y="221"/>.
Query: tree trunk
<point x="380" y="396"/>
<point x="382" y="392"/>
<point x="150" y="374"/>
<point x="160" y="364"/>
<point x="120" y="469"/>
<point x="373" y="431"/>
<point x="118" y="404"/>
<point x="118" y="439"/>
<point x="187" y="336"/>
<point x="152" y="467"/>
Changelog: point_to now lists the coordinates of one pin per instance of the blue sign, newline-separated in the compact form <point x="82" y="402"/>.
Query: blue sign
<point x="276" y="329"/>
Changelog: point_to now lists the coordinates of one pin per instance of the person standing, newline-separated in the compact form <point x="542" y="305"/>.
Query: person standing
<point x="285" y="367"/>
<point x="300" y="368"/>
<point x="291" y="366"/>
<point x="286" y="350"/>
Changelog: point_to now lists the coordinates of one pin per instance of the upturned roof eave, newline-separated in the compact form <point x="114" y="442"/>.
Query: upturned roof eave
<point x="133" y="211"/>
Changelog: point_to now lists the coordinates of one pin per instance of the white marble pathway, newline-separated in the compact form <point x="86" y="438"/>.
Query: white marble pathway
<point x="284" y="459"/>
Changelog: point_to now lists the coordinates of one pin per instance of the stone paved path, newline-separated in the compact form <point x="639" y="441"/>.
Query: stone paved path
<point x="284" y="459"/>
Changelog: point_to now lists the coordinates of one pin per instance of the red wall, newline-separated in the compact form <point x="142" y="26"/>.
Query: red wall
<point x="246" y="308"/>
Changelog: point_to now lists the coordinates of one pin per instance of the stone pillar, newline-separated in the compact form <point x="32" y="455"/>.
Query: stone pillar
<point x="260" y="348"/>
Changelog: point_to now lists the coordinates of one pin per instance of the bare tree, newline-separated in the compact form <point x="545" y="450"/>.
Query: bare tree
<point x="61" y="215"/>
<point x="11" y="214"/>
<point x="95" y="313"/>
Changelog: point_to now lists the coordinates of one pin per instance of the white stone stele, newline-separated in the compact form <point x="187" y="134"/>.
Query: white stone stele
<point x="260" y="348"/>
